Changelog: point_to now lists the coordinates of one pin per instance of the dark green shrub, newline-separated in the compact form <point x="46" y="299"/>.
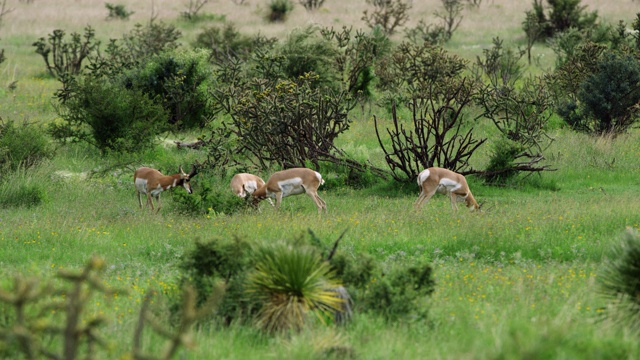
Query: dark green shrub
<point x="220" y="260"/>
<point x="611" y="95"/>
<point x="118" y="12"/>
<point x="108" y="116"/>
<point x="562" y="16"/>
<point x="224" y="41"/>
<point x="501" y="166"/>
<point x="22" y="146"/>
<point x="179" y="81"/>
<point x="311" y="5"/>
<point x="279" y="9"/>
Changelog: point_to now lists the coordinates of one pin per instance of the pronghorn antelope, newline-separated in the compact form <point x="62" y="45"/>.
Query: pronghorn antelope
<point x="151" y="182"/>
<point x="444" y="181"/>
<point x="244" y="184"/>
<point x="292" y="182"/>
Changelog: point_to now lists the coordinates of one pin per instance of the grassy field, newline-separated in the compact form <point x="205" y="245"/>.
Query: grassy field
<point x="519" y="280"/>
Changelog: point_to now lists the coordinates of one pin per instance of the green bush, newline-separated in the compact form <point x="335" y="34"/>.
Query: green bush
<point x="501" y="163"/>
<point x="279" y="9"/>
<point x="22" y="145"/>
<point x="611" y="95"/>
<point x="562" y="15"/>
<point x="179" y="80"/>
<point x="108" y="116"/>
<point x="208" y="198"/>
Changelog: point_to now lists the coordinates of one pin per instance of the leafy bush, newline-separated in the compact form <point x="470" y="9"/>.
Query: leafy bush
<point x="179" y="80"/>
<point x="22" y="146"/>
<point x="610" y="96"/>
<point x="501" y="166"/>
<point x="108" y="116"/>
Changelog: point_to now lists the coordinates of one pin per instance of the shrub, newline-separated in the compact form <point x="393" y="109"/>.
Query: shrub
<point x="22" y="146"/>
<point x="311" y="5"/>
<point x="179" y="80"/>
<point x="279" y="9"/>
<point x="610" y="96"/>
<point x="224" y="41"/>
<point x="118" y="12"/>
<point x="209" y="198"/>
<point x="108" y="116"/>
<point x="562" y="16"/>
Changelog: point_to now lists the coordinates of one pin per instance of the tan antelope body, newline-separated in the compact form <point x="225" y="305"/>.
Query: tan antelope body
<point x="244" y="184"/>
<point x="446" y="182"/>
<point x="152" y="183"/>
<point x="293" y="181"/>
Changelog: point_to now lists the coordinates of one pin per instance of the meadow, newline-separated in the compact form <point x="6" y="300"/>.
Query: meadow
<point x="518" y="280"/>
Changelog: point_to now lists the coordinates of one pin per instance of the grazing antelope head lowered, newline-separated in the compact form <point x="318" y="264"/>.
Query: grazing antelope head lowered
<point x="244" y="185"/>
<point x="151" y="182"/>
<point x="292" y="182"/>
<point x="446" y="182"/>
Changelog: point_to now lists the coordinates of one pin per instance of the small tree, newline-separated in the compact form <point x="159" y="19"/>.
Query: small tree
<point x="451" y="17"/>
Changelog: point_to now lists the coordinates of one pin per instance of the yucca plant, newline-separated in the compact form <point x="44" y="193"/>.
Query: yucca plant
<point x="292" y="283"/>
<point x="620" y="281"/>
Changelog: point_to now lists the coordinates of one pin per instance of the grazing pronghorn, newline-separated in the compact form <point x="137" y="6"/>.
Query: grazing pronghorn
<point x="151" y="182"/>
<point x="444" y="181"/>
<point x="292" y="182"/>
<point x="244" y="184"/>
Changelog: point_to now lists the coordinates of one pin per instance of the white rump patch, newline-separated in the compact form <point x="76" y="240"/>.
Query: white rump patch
<point x="141" y="185"/>
<point x="424" y="175"/>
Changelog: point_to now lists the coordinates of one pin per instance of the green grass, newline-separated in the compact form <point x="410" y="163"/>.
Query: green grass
<point x="515" y="281"/>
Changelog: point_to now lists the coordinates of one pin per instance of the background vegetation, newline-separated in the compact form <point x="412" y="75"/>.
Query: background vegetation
<point x="521" y="279"/>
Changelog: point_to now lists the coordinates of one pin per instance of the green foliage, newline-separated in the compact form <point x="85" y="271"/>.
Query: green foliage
<point x="118" y="11"/>
<point x="209" y="262"/>
<point x="134" y="48"/>
<point x="225" y="41"/>
<point x="179" y="81"/>
<point x="279" y="9"/>
<point x="611" y="95"/>
<point x="562" y="16"/>
<point x="22" y="146"/>
<point x="107" y="116"/>
<point x="18" y="191"/>
<point x="423" y="32"/>
<point x="501" y="166"/>
<point x="209" y="198"/>
<point x="620" y="281"/>
<point x="292" y="281"/>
